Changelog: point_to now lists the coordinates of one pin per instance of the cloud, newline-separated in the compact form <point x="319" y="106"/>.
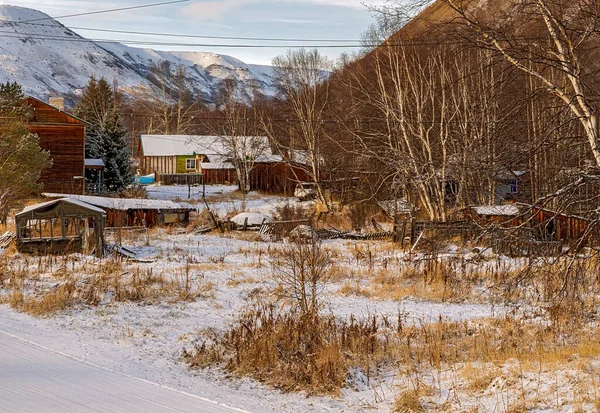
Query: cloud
<point x="212" y="9"/>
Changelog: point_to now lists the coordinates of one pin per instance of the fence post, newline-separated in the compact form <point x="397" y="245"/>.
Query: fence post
<point x="187" y="180"/>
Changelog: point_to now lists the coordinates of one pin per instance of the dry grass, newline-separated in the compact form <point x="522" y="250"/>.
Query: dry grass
<point x="292" y="352"/>
<point x="479" y="377"/>
<point x="249" y="236"/>
<point x="53" y="301"/>
<point x="408" y="401"/>
<point x="435" y="280"/>
<point x="289" y="351"/>
<point x="106" y="281"/>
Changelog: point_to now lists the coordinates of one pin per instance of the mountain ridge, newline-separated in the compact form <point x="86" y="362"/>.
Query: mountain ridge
<point x="49" y="59"/>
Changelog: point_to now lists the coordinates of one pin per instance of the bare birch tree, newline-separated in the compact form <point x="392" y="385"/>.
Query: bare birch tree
<point x="551" y="48"/>
<point x="405" y="93"/>
<point x="169" y="103"/>
<point x="237" y="137"/>
<point x="300" y="75"/>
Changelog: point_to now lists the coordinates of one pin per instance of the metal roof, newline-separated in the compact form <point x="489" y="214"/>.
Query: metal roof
<point x="496" y="210"/>
<point x="70" y="201"/>
<point x="178" y="145"/>
<point x="94" y="162"/>
<point x="122" y="204"/>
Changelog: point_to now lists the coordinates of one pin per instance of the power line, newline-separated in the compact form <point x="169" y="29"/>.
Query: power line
<point x="247" y="38"/>
<point x="25" y="36"/>
<point x="199" y="36"/>
<point x="143" y="6"/>
<point x="191" y="36"/>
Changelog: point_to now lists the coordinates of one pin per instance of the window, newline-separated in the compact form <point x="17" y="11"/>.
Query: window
<point x="190" y="163"/>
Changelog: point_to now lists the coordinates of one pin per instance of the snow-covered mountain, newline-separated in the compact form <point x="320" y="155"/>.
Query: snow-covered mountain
<point x="48" y="59"/>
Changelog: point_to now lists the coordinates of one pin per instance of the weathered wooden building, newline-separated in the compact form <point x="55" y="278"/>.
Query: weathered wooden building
<point x="557" y="226"/>
<point x="63" y="135"/>
<point x="504" y="215"/>
<point x="61" y="226"/>
<point x="535" y="223"/>
<point x="278" y="177"/>
<point x="130" y="212"/>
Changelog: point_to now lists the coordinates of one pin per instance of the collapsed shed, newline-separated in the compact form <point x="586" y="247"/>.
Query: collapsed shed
<point x="132" y="212"/>
<point x="559" y="226"/>
<point x="61" y="226"/>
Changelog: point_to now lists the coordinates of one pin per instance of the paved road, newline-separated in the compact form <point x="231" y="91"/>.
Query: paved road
<point x="37" y="379"/>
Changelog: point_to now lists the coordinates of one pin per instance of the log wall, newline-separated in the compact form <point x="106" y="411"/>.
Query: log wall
<point x="64" y="137"/>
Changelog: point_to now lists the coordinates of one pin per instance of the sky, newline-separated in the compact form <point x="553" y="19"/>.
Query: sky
<point x="298" y="19"/>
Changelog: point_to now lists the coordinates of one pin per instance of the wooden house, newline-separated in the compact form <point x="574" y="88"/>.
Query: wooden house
<point x="182" y="154"/>
<point x="63" y="135"/>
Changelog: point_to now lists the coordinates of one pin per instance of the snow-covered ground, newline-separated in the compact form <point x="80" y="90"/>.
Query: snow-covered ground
<point x="145" y="340"/>
<point x="223" y="200"/>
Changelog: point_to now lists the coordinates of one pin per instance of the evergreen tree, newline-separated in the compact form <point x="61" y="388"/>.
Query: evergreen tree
<point x="106" y="138"/>
<point x="21" y="158"/>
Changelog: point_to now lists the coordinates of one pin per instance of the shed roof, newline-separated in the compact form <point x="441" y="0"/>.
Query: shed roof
<point x="94" y="162"/>
<point x="123" y="204"/>
<point x="177" y="145"/>
<point x="496" y="210"/>
<point x="50" y="209"/>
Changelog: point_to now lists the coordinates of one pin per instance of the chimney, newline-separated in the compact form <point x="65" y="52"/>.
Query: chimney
<point x="58" y="103"/>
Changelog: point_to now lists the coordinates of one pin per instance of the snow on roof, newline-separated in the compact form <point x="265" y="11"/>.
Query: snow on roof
<point x="56" y="201"/>
<point x="122" y="204"/>
<point x="174" y="145"/>
<point x="302" y="157"/>
<point x="94" y="162"/>
<point x="209" y="166"/>
<point x="217" y="162"/>
<point x="223" y="162"/>
<point x="268" y="158"/>
<point x="503" y="210"/>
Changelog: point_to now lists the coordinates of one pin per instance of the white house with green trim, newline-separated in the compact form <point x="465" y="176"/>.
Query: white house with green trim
<point x="181" y="154"/>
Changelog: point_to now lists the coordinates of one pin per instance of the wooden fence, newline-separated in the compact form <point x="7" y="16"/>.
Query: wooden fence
<point x="180" y="179"/>
<point x="7" y="238"/>
<point x="527" y="248"/>
<point x="279" y="229"/>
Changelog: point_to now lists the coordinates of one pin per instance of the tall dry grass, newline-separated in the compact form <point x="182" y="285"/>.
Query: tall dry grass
<point x="109" y="281"/>
<point x="292" y="351"/>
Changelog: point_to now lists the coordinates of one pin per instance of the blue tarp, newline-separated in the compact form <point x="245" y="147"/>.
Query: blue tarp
<point x="145" y="180"/>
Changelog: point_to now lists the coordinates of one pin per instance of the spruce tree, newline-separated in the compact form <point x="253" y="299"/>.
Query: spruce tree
<point x="106" y="138"/>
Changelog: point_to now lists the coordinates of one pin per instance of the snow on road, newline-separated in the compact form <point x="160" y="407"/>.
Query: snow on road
<point x="34" y="378"/>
